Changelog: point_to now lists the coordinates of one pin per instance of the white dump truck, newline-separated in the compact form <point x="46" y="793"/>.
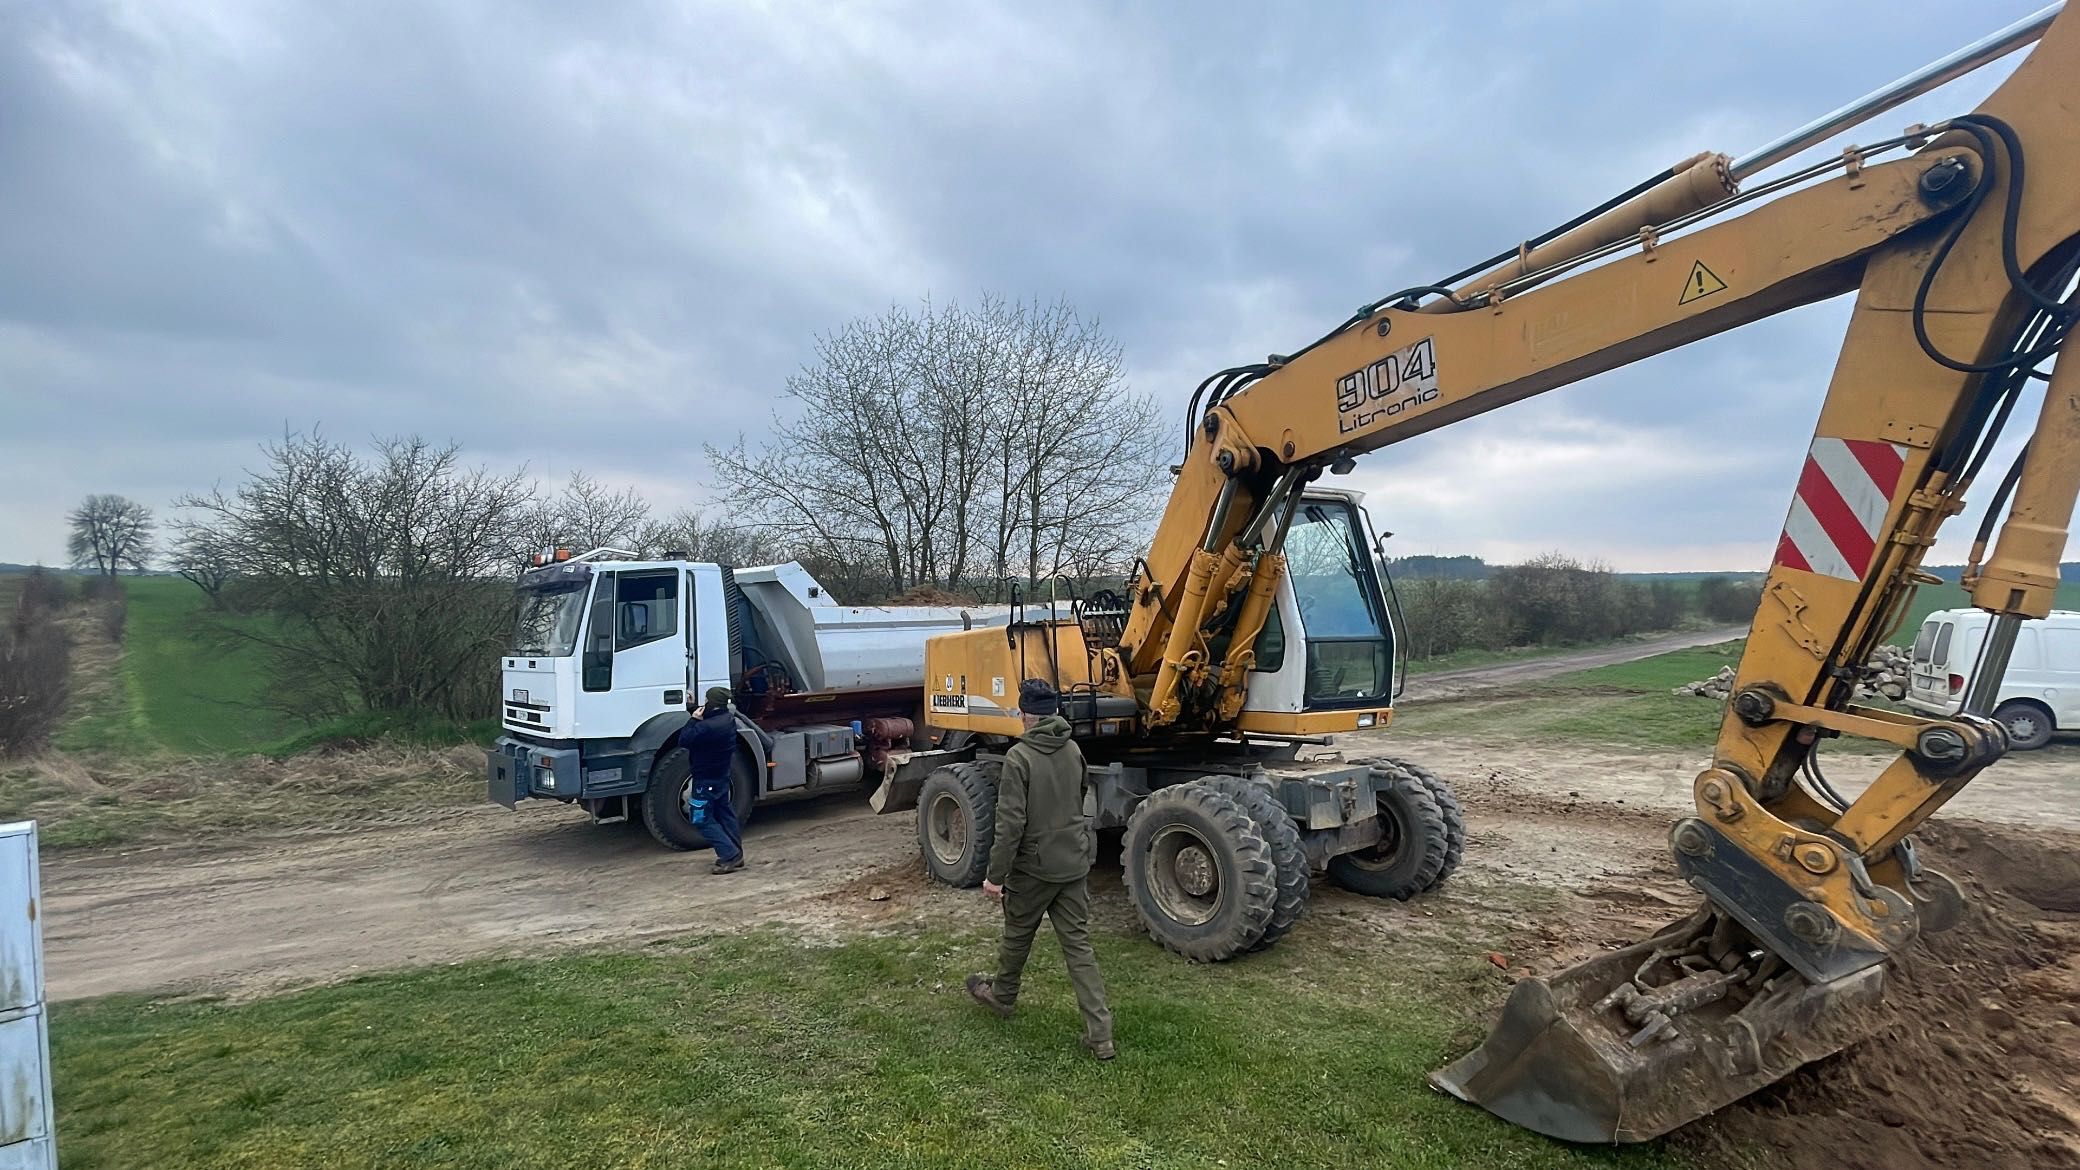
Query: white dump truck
<point x="607" y="648"/>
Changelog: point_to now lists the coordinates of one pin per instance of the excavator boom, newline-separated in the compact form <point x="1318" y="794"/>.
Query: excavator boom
<point x="1960" y="241"/>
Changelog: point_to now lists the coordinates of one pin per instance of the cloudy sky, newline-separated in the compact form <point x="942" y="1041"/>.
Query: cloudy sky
<point x="594" y="235"/>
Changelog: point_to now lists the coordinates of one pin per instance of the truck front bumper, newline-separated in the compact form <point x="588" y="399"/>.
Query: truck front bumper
<point x="515" y="769"/>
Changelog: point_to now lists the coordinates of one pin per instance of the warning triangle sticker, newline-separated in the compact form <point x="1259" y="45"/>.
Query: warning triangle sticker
<point x="1702" y="283"/>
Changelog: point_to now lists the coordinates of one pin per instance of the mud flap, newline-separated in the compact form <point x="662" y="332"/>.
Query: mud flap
<point x="505" y="778"/>
<point x="1556" y="1065"/>
<point x="902" y="779"/>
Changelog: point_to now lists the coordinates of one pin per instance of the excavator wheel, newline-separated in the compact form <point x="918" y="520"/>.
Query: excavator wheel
<point x="1413" y="845"/>
<point x="957" y="822"/>
<point x="1199" y="872"/>
<point x="1454" y="817"/>
<point x="1283" y="836"/>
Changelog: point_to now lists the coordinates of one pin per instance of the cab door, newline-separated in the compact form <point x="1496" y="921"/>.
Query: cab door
<point x="635" y="650"/>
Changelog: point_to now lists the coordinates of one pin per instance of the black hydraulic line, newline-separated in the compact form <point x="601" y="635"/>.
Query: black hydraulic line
<point x="1995" y="506"/>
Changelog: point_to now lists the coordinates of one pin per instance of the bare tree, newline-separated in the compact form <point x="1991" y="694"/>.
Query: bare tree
<point x="202" y="555"/>
<point x="109" y="534"/>
<point x="953" y="446"/>
<point x="585" y="515"/>
<point x="384" y="574"/>
<point x="696" y="537"/>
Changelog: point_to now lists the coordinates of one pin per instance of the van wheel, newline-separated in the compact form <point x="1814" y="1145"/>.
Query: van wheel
<point x="2029" y="725"/>
<point x="671" y="787"/>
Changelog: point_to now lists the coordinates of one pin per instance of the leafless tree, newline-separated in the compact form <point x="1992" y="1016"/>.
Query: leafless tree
<point x="109" y="534"/>
<point x="199" y="553"/>
<point x="697" y="537"/>
<point x="585" y="515"/>
<point x="385" y="575"/>
<point x="957" y="447"/>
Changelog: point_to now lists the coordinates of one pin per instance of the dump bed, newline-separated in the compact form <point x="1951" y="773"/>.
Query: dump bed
<point x="825" y="646"/>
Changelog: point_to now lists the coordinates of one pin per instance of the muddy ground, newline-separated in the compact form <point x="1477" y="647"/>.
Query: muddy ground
<point x="1976" y="1061"/>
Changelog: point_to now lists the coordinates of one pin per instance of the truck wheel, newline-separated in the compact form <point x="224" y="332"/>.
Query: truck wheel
<point x="957" y="822"/>
<point x="1287" y="857"/>
<point x="2029" y="726"/>
<point x="1412" y="844"/>
<point x="671" y="786"/>
<point x="1454" y="818"/>
<point x="1199" y="873"/>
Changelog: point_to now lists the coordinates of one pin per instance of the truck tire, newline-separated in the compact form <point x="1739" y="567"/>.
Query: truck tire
<point x="1199" y="872"/>
<point x="1412" y="845"/>
<point x="671" y="785"/>
<point x="1283" y="838"/>
<point x="957" y="822"/>
<point x="2029" y="724"/>
<point x="1454" y="817"/>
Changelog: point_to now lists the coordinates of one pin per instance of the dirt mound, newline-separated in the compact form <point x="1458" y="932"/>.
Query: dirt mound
<point x="1974" y="1060"/>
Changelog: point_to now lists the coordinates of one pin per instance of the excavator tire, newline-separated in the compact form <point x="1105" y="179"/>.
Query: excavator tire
<point x="1454" y="818"/>
<point x="1283" y="836"/>
<point x="1199" y="872"/>
<point x="1413" y="844"/>
<point x="664" y="802"/>
<point x="957" y="821"/>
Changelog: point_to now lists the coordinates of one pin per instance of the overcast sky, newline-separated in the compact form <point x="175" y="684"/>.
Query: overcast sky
<point x="595" y="235"/>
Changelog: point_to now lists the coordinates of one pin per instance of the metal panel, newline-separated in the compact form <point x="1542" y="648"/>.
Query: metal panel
<point x="790" y="760"/>
<point x="40" y="1154"/>
<point x="21" y="936"/>
<point x="24" y="1085"/>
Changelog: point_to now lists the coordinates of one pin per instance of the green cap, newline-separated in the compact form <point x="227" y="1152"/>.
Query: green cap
<point x="717" y="696"/>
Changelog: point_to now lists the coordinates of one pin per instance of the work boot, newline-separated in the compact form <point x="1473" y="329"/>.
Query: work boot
<point x="982" y="991"/>
<point x="728" y="866"/>
<point x="1102" y="1049"/>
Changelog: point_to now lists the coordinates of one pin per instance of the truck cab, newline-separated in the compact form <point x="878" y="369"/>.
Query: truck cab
<point x="607" y="650"/>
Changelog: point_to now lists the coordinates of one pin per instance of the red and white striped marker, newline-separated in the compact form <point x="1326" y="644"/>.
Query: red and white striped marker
<point x="1839" y="511"/>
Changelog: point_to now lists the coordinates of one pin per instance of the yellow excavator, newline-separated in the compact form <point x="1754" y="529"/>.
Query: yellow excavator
<point x="1257" y="621"/>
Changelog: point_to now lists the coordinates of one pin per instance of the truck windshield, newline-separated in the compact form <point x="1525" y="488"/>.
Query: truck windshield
<point x="548" y="624"/>
<point x="1349" y="655"/>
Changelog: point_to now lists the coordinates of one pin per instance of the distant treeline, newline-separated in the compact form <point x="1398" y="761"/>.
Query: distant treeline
<point x="1555" y="600"/>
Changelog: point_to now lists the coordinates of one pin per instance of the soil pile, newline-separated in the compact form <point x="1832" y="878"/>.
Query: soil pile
<point x="1974" y="1060"/>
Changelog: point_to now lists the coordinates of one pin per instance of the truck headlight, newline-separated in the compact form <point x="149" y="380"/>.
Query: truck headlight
<point x="1368" y="719"/>
<point x="545" y="777"/>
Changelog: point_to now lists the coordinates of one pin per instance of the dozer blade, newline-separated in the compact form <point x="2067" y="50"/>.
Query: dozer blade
<point x="1557" y="1064"/>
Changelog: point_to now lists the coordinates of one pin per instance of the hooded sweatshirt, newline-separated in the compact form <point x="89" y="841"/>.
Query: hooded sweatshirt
<point x="1041" y="829"/>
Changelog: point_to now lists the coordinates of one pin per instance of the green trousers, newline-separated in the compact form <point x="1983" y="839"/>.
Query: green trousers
<point x="1068" y="906"/>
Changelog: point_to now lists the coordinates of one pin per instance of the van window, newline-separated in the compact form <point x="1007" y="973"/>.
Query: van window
<point x="1940" y="656"/>
<point x="1925" y="641"/>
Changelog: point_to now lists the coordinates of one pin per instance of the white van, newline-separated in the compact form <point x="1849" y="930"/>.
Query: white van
<point x="2039" y="696"/>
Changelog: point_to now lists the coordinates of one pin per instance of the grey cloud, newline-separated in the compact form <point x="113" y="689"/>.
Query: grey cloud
<point x="592" y="235"/>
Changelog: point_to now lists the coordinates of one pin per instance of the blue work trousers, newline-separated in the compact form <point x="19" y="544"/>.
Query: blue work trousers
<point x="716" y="818"/>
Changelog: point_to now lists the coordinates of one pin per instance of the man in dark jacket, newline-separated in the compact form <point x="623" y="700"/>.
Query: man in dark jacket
<point x="710" y="740"/>
<point x="1040" y="864"/>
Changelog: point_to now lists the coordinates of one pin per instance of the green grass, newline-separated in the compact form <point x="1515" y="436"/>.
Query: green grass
<point x="368" y="728"/>
<point x="756" y="1050"/>
<point x="1625" y="704"/>
<point x="1930" y="598"/>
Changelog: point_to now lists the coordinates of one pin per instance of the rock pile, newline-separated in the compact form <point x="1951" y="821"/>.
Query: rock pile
<point x="1884" y="676"/>
<point x="1719" y="686"/>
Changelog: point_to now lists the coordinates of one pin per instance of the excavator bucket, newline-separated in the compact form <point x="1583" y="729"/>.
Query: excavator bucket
<point x="1634" y="1043"/>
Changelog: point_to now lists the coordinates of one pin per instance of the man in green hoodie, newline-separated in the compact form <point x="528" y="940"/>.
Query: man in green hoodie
<point x="1040" y="864"/>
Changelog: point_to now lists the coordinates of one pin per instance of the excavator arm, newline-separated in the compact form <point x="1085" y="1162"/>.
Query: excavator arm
<point x="1959" y="241"/>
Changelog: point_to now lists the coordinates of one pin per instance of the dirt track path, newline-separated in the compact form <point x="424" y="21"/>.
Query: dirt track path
<point x="290" y="911"/>
<point x="294" y="910"/>
<point x="1450" y="684"/>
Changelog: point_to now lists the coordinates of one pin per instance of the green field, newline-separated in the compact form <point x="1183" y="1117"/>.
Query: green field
<point x="183" y="687"/>
<point x="766" y="1050"/>
<point x="1930" y="598"/>
<point x="1627" y="704"/>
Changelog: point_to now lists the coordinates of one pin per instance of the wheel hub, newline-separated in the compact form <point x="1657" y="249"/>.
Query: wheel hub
<point x="1184" y="876"/>
<point x="1195" y="871"/>
<point x="949" y="830"/>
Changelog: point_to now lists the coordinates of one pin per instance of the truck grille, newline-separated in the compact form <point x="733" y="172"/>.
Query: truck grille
<point x="527" y="716"/>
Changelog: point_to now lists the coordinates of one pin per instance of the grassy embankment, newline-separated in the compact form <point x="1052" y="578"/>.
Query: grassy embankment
<point x="759" y="1050"/>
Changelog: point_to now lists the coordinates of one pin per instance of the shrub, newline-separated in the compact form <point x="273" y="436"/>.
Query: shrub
<point x="35" y="682"/>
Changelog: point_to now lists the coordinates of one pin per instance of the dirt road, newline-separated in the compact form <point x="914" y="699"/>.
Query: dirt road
<point x="293" y="910"/>
<point x="1448" y="684"/>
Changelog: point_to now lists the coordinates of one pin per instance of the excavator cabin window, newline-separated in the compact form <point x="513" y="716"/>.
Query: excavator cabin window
<point x="1342" y="612"/>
